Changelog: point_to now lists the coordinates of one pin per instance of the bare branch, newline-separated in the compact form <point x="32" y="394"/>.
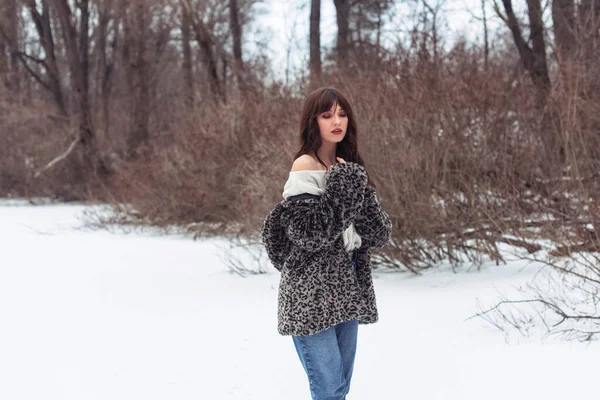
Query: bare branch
<point x="58" y="159"/>
<point x="32" y="72"/>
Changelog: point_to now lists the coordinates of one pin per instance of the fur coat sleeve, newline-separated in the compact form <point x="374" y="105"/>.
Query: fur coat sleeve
<point x="316" y="223"/>
<point x="372" y="223"/>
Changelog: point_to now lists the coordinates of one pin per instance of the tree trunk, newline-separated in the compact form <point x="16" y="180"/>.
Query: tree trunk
<point x="533" y="58"/>
<point x="4" y="46"/>
<point x="486" y="43"/>
<point x="434" y="32"/>
<point x="78" y="61"/>
<point x="342" y="8"/>
<point x="379" y="26"/>
<point x="315" y="42"/>
<point x="52" y="82"/>
<point x="106" y="66"/>
<point x="540" y="68"/>
<point x="140" y="74"/>
<point x="236" y="33"/>
<point x="563" y="18"/>
<point x="206" y="43"/>
<point x="188" y="74"/>
<point x="84" y="47"/>
<point x="9" y="18"/>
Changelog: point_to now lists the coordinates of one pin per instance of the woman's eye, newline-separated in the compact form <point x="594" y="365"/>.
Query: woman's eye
<point x="342" y="114"/>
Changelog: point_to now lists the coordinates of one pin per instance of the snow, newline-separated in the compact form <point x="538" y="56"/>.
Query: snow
<point x="94" y="314"/>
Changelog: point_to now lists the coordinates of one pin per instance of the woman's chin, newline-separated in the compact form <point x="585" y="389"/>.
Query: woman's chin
<point x="335" y="138"/>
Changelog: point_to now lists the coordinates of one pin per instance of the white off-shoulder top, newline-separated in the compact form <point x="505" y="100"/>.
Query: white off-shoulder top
<point x="313" y="182"/>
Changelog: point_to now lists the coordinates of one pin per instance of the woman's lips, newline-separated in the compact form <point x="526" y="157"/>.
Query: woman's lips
<point x="336" y="132"/>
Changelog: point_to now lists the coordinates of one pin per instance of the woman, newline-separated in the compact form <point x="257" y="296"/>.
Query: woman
<point x="319" y="237"/>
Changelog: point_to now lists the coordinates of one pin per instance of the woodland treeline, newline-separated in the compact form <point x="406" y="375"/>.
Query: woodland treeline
<point x="157" y="108"/>
<point x="154" y="104"/>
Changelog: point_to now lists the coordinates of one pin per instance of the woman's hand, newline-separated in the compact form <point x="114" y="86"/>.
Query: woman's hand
<point x="340" y="159"/>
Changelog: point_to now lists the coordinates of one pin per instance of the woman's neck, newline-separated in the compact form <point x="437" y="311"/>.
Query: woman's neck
<point x="327" y="153"/>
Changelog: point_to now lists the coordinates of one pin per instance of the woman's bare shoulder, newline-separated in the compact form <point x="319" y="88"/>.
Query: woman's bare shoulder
<point x="306" y="162"/>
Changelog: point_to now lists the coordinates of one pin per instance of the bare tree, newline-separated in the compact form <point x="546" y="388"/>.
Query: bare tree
<point x="4" y="45"/>
<point x="533" y="57"/>
<point x="563" y="17"/>
<point x="434" y="11"/>
<point x="207" y="45"/>
<point x="315" y="42"/>
<point x="486" y="43"/>
<point x="188" y="71"/>
<point x="76" y="49"/>
<point x="106" y="53"/>
<point x="138" y="18"/>
<point x="50" y="79"/>
<point x="342" y="8"/>
<point x="9" y="38"/>
<point x="236" y="32"/>
<point x="4" y="59"/>
<point x="360" y="24"/>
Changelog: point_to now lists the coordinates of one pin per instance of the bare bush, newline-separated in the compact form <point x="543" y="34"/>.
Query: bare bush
<point x="32" y="137"/>
<point x="561" y="301"/>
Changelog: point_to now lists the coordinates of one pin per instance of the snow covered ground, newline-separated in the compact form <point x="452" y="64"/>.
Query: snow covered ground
<point x="107" y="315"/>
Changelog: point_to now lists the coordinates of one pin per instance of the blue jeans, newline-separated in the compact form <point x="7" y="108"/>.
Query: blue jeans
<point x="328" y="360"/>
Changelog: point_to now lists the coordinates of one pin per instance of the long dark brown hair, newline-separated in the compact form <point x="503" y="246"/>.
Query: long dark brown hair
<point x="316" y="103"/>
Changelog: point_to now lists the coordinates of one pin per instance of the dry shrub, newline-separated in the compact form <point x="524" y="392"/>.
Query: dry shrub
<point x="562" y="204"/>
<point x="32" y="136"/>
<point x="451" y="147"/>
<point x="459" y="154"/>
<point x="210" y="168"/>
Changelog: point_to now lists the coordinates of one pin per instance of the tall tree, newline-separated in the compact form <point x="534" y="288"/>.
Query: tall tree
<point x="236" y="33"/>
<point x="359" y="29"/>
<point x="315" y="42"/>
<point x="76" y="46"/>
<point x="563" y="18"/>
<point x="206" y="42"/>
<point x="14" y="20"/>
<point x="486" y="43"/>
<point x="5" y="47"/>
<point x="433" y="10"/>
<point x="188" y="71"/>
<point x="138" y="19"/>
<point x="50" y="77"/>
<point x="342" y="8"/>
<point x="533" y="57"/>
<point x="107" y="41"/>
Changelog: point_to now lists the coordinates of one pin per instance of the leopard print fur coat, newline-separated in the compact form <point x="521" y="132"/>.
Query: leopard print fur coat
<point x="303" y="239"/>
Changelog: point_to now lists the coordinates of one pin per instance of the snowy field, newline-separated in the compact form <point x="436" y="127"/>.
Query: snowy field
<point x="114" y="316"/>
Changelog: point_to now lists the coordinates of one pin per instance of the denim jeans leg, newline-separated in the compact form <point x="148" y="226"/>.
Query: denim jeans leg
<point x="320" y="356"/>
<point x="347" y="333"/>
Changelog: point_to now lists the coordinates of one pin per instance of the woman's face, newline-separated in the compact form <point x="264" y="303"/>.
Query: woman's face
<point x="333" y="124"/>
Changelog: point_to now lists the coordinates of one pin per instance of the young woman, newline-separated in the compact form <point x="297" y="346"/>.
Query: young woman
<point x="319" y="237"/>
